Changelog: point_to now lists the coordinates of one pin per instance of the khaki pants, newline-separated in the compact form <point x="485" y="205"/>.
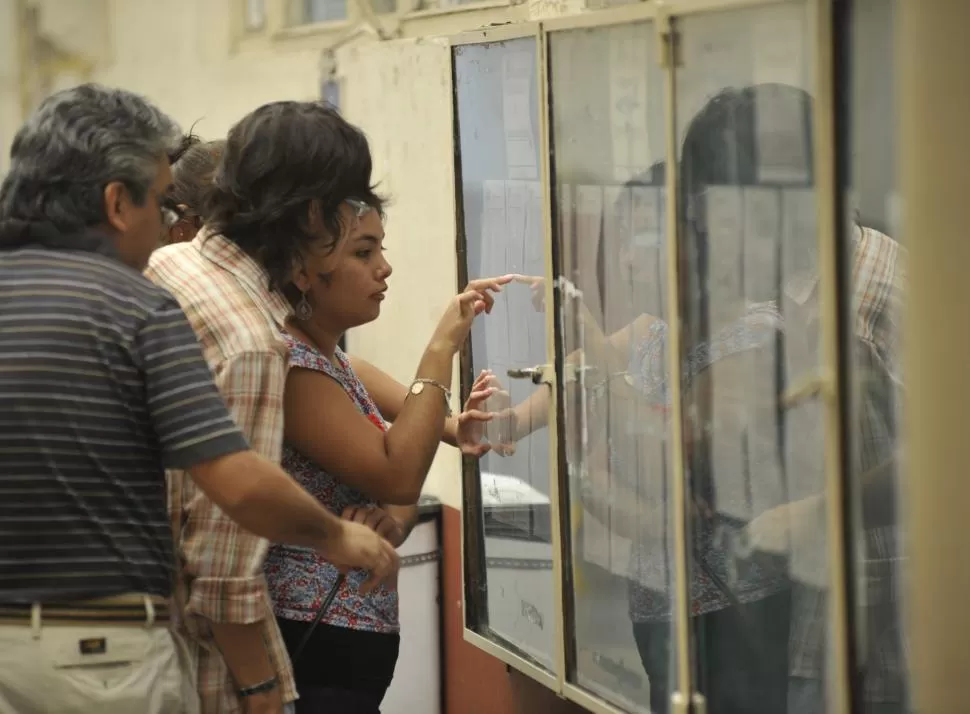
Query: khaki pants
<point x="48" y="668"/>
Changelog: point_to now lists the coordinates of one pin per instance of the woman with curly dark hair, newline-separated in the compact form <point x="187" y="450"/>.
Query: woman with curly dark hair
<point x="290" y="257"/>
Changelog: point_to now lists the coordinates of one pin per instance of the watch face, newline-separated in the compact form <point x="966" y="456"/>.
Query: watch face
<point x="417" y="388"/>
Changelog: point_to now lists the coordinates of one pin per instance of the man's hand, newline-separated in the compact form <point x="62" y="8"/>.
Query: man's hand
<point x="357" y="546"/>
<point x="379" y="521"/>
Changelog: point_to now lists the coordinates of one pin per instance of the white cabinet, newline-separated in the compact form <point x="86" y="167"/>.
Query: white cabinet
<point x="417" y="679"/>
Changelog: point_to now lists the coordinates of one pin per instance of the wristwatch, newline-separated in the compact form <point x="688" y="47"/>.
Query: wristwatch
<point x="419" y="384"/>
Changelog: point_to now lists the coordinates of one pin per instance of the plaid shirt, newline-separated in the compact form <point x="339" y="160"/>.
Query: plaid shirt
<point x="878" y="281"/>
<point x="238" y="320"/>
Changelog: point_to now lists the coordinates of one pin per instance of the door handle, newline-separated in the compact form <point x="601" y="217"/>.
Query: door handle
<point x="572" y="372"/>
<point x="540" y="374"/>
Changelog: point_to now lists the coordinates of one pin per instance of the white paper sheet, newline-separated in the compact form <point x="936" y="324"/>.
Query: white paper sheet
<point x="521" y="150"/>
<point x="724" y="217"/>
<point x="778" y="39"/>
<point x="629" y="130"/>
<point x="782" y="136"/>
<point x="762" y="238"/>
<point x="799" y="281"/>
<point x="589" y="218"/>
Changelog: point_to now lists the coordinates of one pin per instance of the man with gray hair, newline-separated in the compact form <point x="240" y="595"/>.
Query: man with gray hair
<point x="102" y="387"/>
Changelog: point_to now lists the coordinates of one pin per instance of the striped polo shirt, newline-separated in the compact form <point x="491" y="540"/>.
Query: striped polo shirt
<point x="102" y="387"/>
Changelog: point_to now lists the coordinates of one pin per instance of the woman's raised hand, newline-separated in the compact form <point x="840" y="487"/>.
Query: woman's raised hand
<point x="476" y="298"/>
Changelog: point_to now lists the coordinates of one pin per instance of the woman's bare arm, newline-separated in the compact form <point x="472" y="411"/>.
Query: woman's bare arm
<point x="389" y="395"/>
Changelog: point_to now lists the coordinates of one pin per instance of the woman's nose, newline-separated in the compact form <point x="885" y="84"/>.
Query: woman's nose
<point x="386" y="269"/>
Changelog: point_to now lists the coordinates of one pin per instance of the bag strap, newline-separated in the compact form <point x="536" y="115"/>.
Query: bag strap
<point x="327" y="602"/>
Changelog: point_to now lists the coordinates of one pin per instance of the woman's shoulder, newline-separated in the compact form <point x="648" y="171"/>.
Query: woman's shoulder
<point x="309" y="357"/>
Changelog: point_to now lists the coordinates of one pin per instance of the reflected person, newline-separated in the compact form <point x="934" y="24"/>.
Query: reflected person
<point x="720" y="149"/>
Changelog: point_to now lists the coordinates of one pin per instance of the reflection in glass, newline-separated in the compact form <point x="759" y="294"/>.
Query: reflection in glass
<point x="310" y="11"/>
<point x="501" y="203"/>
<point x="608" y="141"/>
<point x="753" y="457"/>
<point x="875" y="292"/>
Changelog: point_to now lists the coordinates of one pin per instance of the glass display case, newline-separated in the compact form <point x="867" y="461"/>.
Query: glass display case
<point x="684" y="432"/>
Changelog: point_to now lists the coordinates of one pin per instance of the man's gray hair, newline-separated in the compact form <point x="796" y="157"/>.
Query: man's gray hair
<point x="77" y="142"/>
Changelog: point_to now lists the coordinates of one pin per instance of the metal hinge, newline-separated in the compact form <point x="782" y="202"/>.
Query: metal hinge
<point x="669" y="45"/>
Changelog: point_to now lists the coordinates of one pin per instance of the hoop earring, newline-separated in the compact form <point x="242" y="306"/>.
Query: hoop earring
<point x="304" y="310"/>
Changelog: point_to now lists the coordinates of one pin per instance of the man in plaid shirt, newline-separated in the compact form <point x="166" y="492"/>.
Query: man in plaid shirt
<point x="876" y="290"/>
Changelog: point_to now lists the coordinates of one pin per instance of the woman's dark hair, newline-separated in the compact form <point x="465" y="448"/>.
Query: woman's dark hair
<point x="193" y="169"/>
<point x="280" y="162"/>
<point x="722" y="148"/>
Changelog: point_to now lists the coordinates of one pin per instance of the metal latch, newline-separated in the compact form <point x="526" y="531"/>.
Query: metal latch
<point x="540" y="374"/>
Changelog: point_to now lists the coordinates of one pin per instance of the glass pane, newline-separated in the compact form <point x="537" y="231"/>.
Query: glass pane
<point x="384" y="7"/>
<point x="255" y="14"/>
<point x="874" y="255"/>
<point x="608" y="142"/>
<point x="754" y="457"/>
<point x="502" y="209"/>
<point x="330" y="92"/>
<point x="310" y="11"/>
<point x="444" y="4"/>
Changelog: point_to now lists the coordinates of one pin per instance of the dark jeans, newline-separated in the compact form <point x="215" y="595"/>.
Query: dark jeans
<point x="340" y="671"/>
<point x="740" y="655"/>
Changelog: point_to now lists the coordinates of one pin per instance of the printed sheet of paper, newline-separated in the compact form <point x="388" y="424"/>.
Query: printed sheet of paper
<point x="762" y="238"/>
<point x="762" y="241"/>
<point x="782" y="136"/>
<point x="654" y="508"/>
<point x="725" y="234"/>
<point x="805" y="466"/>
<point x="800" y="282"/>
<point x="516" y="297"/>
<point x="521" y="147"/>
<point x="495" y="259"/>
<point x="763" y="450"/>
<point x="569" y="259"/>
<point x="629" y="58"/>
<point x="779" y="39"/>
<point x="589" y="221"/>
<point x="618" y="274"/>
<point x="727" y="428"/>
<point x="649" y="254"/>
<point x="716" y="54"/>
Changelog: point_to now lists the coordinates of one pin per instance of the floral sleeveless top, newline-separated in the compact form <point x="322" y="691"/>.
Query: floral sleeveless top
<point x="299" y="579"/>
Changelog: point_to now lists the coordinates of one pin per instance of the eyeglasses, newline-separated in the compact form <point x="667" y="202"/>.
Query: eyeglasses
<point x="361" y="208"/>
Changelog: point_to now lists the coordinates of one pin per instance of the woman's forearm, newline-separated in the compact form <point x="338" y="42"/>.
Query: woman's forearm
<point x="413" y="438"/>
<point x="406" y="518"/>
<point x="389" y="395"/>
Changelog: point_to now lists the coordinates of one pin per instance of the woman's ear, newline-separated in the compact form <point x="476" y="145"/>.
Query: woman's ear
<point x="300" y="277"/>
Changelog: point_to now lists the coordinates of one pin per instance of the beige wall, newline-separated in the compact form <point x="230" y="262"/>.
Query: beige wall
<point x="9" y="79"/>
<point x="405" y="110"/>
